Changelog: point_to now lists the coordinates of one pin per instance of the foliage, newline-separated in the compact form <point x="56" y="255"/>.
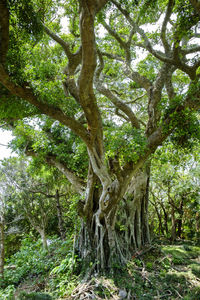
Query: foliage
<point x="121" y="141"/>
<point x="31" y="262"/>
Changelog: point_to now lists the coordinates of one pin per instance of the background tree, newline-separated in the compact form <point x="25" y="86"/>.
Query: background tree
<point x="88" y="81"/>
<point x="2" y="239"/>
<point x="175" y="191"/>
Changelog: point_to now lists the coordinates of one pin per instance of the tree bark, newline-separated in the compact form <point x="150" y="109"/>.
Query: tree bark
<point x="137" y="211"/>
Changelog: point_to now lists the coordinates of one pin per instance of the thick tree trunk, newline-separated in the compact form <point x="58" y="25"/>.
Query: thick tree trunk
<point x="110" y="239"/>
<point x="2" y="251"/>
<point x="60" y="217"/>
<point x="136" y="212"/>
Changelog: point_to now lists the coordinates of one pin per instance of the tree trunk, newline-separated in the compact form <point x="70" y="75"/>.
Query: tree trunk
<point x="165" y="217"/>
<point x="159" y="215"/>
<point x="173" y="229"/>
<point x="2" y="248"/>
<point x="180" y="219"/>
<point x="136" y="212"/>
<point x="109" y="239"/>
<point x="43" y="237"/>
<point x="60" y="217"/>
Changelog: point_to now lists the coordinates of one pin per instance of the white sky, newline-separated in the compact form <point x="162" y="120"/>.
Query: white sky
<point x="5" y="138"/>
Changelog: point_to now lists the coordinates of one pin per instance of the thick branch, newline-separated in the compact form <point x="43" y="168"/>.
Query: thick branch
<point x="54" y="112"/>
<point x="69" y="83"/>
<point x="86" y="92"/>
<point x="77" y="183"/>
<point x="164" y="26"/>
<point x="154" y="98"/>
<point x="191" y="49"/>
<point x="73" y="179"/>
<point x="143" y="81"/>
<point x="176" y="61"/>
<point x="60" y="41"/>
<point x="74" y="60"/>
<point x="120" y="105"/>
<point x="114" y="34"/>
<point x="112" y="56"/>
<point x="168" y="82"/>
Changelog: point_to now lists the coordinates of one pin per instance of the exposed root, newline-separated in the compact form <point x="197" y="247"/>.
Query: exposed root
<point x="96" y="288"/>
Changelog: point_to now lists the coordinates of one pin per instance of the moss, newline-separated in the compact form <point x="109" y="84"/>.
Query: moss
<point x="195" y="269"/>
<point x="182" y="253"/>
<point x="193" y="294"/>
<point x="175" y="278"/>
<point x="33" y="296"/>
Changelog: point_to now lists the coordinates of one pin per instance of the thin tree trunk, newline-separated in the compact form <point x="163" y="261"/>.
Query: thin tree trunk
<point x="60" y="217"/>
<point x="197" y="218"/>
<point x="173" y="220"/>
<point x="173" y="229"/>
<point x="2" y="248"/>
<point x="165" y="217"/>
<point x="44" y="239"/>
<point x="180" y="220"/>
<point x="155" y="204"/>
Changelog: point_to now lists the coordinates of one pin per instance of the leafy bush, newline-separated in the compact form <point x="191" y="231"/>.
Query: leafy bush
<point x="7" y="293"/>
<point x="33" y="261"/>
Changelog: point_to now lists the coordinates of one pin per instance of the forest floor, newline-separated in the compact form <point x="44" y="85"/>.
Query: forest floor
<point x="161" y="271"/>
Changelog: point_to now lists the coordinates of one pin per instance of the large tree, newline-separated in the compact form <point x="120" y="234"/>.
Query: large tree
<point x="89" y="81"/>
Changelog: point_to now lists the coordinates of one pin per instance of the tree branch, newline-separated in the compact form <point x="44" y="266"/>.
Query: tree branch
<point x="164" y="26"/>
<point x="77" y="183"/>
<point x="86" y="92"/>
<point x="114" y="34"/>
<point x="176" y="61"/>
<point x="143" y="81"/>
<point x="196" y="5"/>
<point x="56" y="113"/>
<point x="60" y="41"/>
<point x="120" y="105"/>
<point x="112" y="56"/>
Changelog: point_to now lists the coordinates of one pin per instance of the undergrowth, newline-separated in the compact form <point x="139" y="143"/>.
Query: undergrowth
<point x="157" y="272"/>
